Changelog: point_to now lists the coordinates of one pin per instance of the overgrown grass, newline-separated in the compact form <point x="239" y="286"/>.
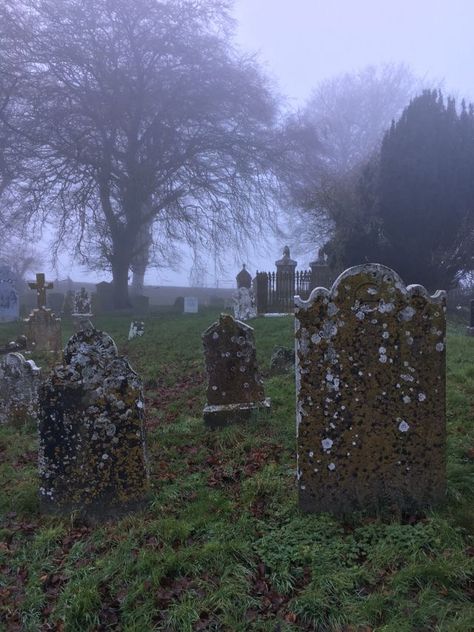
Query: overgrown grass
<point x="222" y="545"/>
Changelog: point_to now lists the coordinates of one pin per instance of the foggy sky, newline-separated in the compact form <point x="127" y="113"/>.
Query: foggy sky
<point x="301" y="42"/>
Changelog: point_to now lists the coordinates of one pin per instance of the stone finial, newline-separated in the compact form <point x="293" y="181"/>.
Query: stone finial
<point x="286" y="261"/>
<point x="244" y="279"/>
<point x="41" y="286"/>
<point x="370" y="375"/>
<point x="92" y="455"/>
<point x="235" y="390"/>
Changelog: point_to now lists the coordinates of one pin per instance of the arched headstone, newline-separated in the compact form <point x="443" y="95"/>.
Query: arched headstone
<point x="370" y="374"/>
<point x="92" y="453"/>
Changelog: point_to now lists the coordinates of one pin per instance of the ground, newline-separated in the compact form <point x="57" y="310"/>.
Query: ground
<point x="222" y="545"/>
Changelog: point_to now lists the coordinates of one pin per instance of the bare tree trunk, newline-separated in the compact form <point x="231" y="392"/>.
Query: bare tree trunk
<point x="120" y="267"/>
<point x="141" y="259"/>
<point x="138" y="279"/>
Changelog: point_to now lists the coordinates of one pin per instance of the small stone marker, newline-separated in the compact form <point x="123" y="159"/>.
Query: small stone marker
<point x="470" y="329"/>
<point x="282" y="361"/>
<point x="191" y="305"/>
<point x="92" y="456"/>
<point x="42" y="327"/>
<point x="235" y="391"/>
<point x="370" y="378"/>
<point x="9" y="301"/>
<point x="82" y="309"/>
<point x="19" y="382"/>
<point x="137" y="328"/>
<point x="245" y="307"/>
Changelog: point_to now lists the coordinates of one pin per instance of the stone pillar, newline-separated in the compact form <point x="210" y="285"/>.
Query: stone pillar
<point x="321" y="274"/>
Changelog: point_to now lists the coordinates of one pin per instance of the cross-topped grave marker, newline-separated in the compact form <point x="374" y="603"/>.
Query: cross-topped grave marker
<point x="41" y="286"/>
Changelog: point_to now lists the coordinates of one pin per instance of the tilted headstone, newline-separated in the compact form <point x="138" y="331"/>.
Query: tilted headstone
<point x="42" y="327"/>
<point x="92" y="454"/>
<point x="191" y="305"/>
<point x="235" y="390"/>
<point x="19" y="382"/>
<point x="370" y="378"/>
<point x="137" y="328"/>
<point x="9" y="300"/>
<point x="245" y="307"/>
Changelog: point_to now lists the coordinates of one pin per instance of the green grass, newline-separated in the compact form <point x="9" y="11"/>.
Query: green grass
<point x="222" y="545"/>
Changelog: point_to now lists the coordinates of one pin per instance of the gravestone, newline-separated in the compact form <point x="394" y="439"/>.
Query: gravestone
<point x="370" y="375"/>
<point x="137" y="328"/>
<point x="82" y="303"/>
<point x="19" y="382"/>
<point x="42" y="327"/>
<point x="9" y="301"/>
<point x="245" y="307"/>
<point x="92" y="454"/>
<point x="470" y="329"/>
<point x="282" y="361"/>
<point x="235" y="391"/>
<point x="104" y="297"/>
<point x="191" y="305"/>
<point x="55" y="302"/>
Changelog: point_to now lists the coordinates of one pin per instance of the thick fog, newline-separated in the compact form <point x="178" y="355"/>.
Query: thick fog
<point x="303" y="42"/>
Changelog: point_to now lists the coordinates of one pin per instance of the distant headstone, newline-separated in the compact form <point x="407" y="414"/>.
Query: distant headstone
<point x="92" y="455"/>
<point x="19" y="382"/>
<point x="42" y="327"/>
<point x="470" y="329"/>
<point x="191" y="305"/>
<point x="9" y="301"/>
<point x="82" y="303"/>
<point x="55" y="302"/>
<point x="370" y="380"/>
<point x="282" y="361"/>
<point x="104" y="297"/>
<point x="137" y="328"/>
<point x="245" y="307"/>
<point x="235" y="391"/>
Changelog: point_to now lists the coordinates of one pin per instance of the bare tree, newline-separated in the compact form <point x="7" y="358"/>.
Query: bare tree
<point x="349" y="114"/>
<point x="144" y="127"/>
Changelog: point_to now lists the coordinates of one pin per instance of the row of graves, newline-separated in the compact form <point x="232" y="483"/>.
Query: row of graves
<point x="370" y="401"/>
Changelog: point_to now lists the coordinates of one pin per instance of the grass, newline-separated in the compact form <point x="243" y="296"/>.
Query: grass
<point x="222" y="545"/>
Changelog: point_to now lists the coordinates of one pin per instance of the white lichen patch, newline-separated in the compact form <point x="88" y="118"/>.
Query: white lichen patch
<point x="407" y="313"/>
<point x="327" y="443"/>
<point x="331" y="467"/>
<point x="421" y="397"/>
<point x="439" y="346"/>
<point x="403" y="426"/>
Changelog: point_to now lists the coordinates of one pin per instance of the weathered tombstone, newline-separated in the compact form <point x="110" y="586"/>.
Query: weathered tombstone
<point x="104" y="297"/>
<point x="137" y="328"/>
<point x="9" y="300"/>
<point x="42" y="327"/>
<point x="235" y="391"/>
<point x="92" y="453"/>
<point x="82" y="303"/>
<point x="370" y="374"/>
<point x="282" y="361"/>
<point x="244" y="304"/>
<point x="19" y="382"/>
<point x="191" y="305"/>
<point x="470" y="329"/>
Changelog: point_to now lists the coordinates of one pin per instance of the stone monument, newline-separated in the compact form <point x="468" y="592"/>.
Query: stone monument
<point x="245" y="306"/>
<point x="370" y="375"/>
<point x="235" y="391"/>
<point x="92" y="454"/>
<point x="42" y="327"/>
<point x="19" y="382"/>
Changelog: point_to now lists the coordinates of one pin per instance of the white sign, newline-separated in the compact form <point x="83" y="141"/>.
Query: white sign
<point x="191" y="305"/>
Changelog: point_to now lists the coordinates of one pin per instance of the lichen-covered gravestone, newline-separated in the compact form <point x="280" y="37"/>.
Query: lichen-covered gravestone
<point x="19" y="382"/>
<point x="370" y="393"/>
<point x="137" y="329"/>
<point x="92" y="453"/>
<point x="235" y="391"/>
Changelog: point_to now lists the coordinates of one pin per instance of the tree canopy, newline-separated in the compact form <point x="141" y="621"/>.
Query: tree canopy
<point x="136" y="125"/>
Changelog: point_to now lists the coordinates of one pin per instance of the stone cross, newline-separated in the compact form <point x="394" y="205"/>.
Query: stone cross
<point x="41" y="286"/>
<point x="370" y="382"/>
